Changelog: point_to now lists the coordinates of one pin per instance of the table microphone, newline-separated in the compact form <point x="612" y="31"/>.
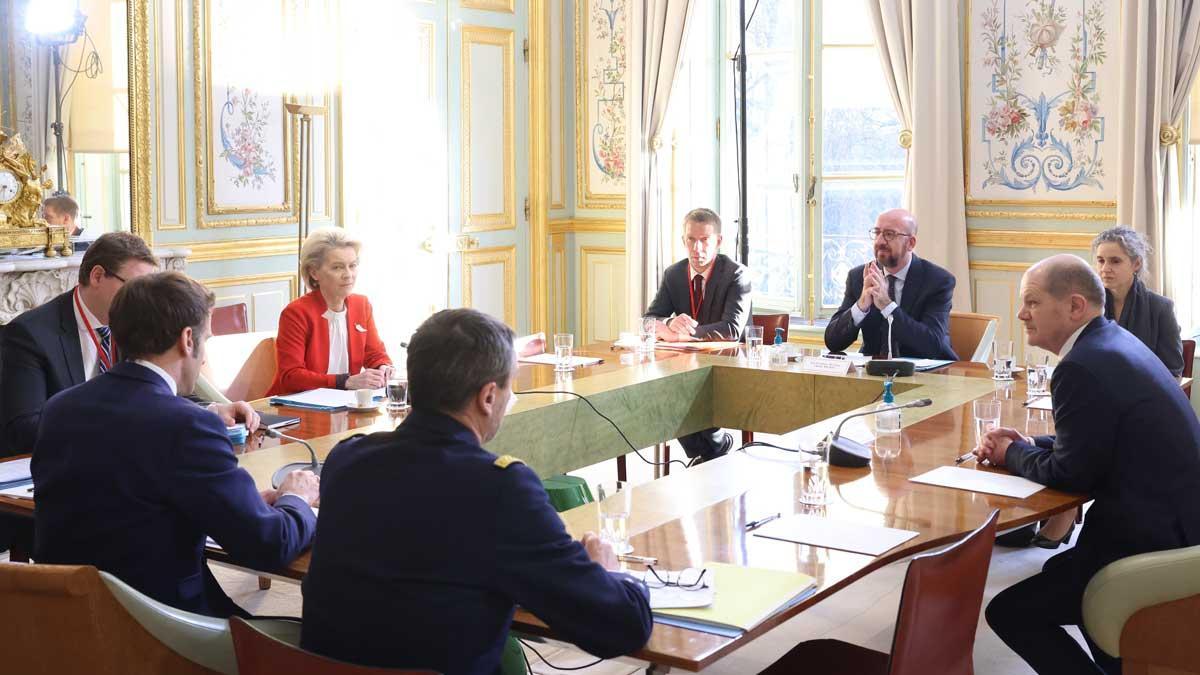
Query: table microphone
<point x="313" y="465"/>
<point x="850" y="453"/>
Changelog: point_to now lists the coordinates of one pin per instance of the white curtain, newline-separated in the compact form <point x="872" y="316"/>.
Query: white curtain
<point x="659" y="34"/>
<point x="1160" y="56"/>
<point x="919" y="48"/>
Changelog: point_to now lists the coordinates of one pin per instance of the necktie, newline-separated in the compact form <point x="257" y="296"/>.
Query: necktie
<point x="697" y="295"/>
<point x="105" y="347"/>
<point x="892" y="288"/>
<point x="883" y="349"/>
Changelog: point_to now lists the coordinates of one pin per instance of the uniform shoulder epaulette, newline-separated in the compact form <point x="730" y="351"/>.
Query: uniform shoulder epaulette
<point x="504" y="460"/>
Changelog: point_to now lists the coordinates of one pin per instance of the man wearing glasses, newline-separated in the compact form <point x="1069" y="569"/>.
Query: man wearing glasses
<point x="911" y="294"/>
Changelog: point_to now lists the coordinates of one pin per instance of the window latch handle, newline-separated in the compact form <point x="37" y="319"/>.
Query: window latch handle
<point x="812" y="190"/>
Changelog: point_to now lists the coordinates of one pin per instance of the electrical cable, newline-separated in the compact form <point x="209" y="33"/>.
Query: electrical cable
<point x="539" y="655"/>
<point x="90" y="65"/>
<point x="609" y="420"/>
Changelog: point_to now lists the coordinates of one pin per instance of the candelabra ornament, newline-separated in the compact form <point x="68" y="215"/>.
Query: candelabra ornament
<point x="305" y="113"/>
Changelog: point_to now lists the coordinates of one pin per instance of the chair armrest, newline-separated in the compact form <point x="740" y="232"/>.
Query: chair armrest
<point x="1134" y="583"/>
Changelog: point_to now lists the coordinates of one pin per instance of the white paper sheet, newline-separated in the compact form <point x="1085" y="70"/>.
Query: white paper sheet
<point x="324" y="398"/>
<point x="1040" y="403"/>
<point x="14" y="470"/>
<point x="552" y="360"/>
<point x="1003" y="484"/>
<point x="843" y="536"/>
<point x="20" y="491"/>
<point x="674" y="597"/>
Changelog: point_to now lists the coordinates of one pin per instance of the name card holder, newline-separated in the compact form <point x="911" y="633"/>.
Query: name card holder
<point x="825" y="366"/>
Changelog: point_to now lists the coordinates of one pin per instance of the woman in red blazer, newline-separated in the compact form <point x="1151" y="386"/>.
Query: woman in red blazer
<point x="327" y="337"/>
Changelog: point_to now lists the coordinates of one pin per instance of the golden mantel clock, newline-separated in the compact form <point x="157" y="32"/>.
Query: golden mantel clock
<point x="22" y="188"/>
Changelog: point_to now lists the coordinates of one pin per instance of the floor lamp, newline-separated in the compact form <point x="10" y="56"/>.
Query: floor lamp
<point x="305" y="113"/>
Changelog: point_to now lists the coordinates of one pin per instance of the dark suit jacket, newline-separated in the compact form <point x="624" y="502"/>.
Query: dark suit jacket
<point x="425" y="544"/>
<point x="726" y="306"/>
<point x="39" y="357"/>
<point x="920" y="325"/>
<point x="1127" y="436"/>
<point x="1151" y="317"/>
<point x="130" y="478"/>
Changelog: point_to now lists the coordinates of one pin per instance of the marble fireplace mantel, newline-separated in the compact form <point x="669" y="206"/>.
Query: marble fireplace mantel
<point x="26" y="283"/>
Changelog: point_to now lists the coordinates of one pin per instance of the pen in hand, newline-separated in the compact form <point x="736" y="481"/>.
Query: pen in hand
<point x="755" y="524"/>
<point x="965" y="458"/>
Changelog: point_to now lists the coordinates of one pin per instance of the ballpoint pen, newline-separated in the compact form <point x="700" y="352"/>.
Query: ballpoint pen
<point x="755" y="524"/>
<point x="964" y="458"/>
<point x="643" y="559"/>
<point x="1031" y="399"/>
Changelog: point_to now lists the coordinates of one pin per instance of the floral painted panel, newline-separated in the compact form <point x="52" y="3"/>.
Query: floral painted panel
<point x="247" y="137"/>
<point x="1041" y="106"/>
<point x="602" y="122"/>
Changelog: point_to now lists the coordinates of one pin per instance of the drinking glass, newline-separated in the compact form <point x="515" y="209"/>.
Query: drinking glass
<point x="564" y="343"/>
<point x="754" y="343"/>
<point x="1037" y="377"/>
<point x="397" y="392"/>
<point x="1038" y="422"/>
<point x="987" y="417"/>
<point x="1002" y="359"/>
<point x="615" y="500"/>
<point x="814" y="481"/>
<point x="648" y="333"/>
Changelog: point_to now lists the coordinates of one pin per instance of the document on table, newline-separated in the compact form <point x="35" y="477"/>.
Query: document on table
<point x="976" y="480"/>
<point x="20" y="491"/>
<point x="552" y="360"/>
<point x="748" y="596"/>
<point x="836" y="534"/>
<point x="1040" y="403"/>
<point x="14" y="471"/>
<point x="923" y="365"/>
<point x="322" y="399"/>
<point x="697" y="592"/>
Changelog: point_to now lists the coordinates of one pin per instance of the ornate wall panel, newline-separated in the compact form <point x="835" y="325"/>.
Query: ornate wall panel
<point x="489" y="282"/>
<point x="488" y="113"/>
<point x="602" y="295"/>
<point x="601" y="119"/>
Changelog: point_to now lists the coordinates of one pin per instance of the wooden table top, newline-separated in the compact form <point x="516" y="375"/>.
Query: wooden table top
<point x="697" y="516"/>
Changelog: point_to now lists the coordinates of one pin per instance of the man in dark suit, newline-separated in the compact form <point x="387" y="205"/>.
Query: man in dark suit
<point x="131" y="477"/>
<point x="703" y="297"/>
<point x="427" y="541"/>
<point x="1126" y="435"/>
<point x="914" y="294"/>
<point x="67" y="340"/>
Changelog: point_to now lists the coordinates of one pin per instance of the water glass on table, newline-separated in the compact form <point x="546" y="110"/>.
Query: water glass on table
<point x="648" y="332"/>
<point x="615" y="500"/>
<point x="1002" y="360"/>
<point x="987" y="417"/>
<point x="397" y="391"/>
<point x="564" y="344"/>
<point x="814" y="481"/>
<point x="1037" y="377"/>
<point x="754" y="343"/>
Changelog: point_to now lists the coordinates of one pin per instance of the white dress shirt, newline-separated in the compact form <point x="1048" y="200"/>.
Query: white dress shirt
<point x="1062" y="353"/>
<point x="87" y="348"/>
<point x="339" y="350"/>
<point x="161" y="373"/>
<point x="858" y="315"/>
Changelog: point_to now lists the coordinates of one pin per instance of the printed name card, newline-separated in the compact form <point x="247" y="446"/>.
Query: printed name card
<point x="824" y="365"/>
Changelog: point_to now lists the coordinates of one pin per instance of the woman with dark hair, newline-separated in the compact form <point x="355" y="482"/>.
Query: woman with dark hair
<point x="1120" y="255"/>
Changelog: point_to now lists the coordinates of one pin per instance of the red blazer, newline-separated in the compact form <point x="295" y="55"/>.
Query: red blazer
<point x="302" y="344"/>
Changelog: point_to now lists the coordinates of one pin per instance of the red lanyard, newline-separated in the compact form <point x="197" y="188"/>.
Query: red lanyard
<point x="105" y="358"/>
<point x="692" y="296"/>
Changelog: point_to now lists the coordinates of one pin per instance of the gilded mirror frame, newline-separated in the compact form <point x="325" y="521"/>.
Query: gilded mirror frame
<point x="138" y="20"/>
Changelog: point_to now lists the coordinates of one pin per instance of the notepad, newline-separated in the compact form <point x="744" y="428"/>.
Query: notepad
<point x="923" y="365"/>
<point x="841" y="535"/>
<point x="321" y="399"/>
<point x="1040" y="403"/>
<point x="1003" y="484"/>
<point x="14" y="471"/>
<point x="22" y="490"/>
<point x="552" y="360"/>
<point x="747" y="596"/>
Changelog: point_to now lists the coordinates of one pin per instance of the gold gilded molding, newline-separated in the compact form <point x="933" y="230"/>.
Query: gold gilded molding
<point x="539" y="164"/>
<point x="140" y="181"/>
<point x="561" y="30"/>
<point x="252" y="279"/>
<point x="584" y="310"/>
<point x="508" y="6"/>
<point x="181" y="196"/>
<point x="567" y="225"/>
<point x="506" y="220"/>
<point x="1030" y="239"/>
<point x="558" y="247"/>
<point x="1043" y="215"/>
<point x="8" y="116"/>
<point x="206" y="251"/>
<point x="506" y="255"/>
<point x="585" y="198"/>
<point x="998" y="266"/>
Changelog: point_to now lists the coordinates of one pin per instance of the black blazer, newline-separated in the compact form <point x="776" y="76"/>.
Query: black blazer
<point x="39" y="357"/>
<point x="920" y="325"/>
<point x="1127" y="436"/>
<point x="1150" y="317"/>
<point x="726" y="306"/>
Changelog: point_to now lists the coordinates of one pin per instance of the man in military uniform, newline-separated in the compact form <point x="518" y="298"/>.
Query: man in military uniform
<point x="426" y="541"/>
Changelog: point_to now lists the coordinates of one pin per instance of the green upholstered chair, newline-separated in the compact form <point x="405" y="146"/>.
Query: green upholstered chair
<point x="567" y="492"/>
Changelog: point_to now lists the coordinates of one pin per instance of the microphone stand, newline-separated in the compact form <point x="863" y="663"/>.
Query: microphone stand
<point x="313" y="465"/>
<point x="848" y="452"/>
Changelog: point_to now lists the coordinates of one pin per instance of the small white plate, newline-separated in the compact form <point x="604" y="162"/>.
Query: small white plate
<point x="364" y="408"/>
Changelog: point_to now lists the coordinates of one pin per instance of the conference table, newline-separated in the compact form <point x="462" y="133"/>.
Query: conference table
<point x="693" y="517"/>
